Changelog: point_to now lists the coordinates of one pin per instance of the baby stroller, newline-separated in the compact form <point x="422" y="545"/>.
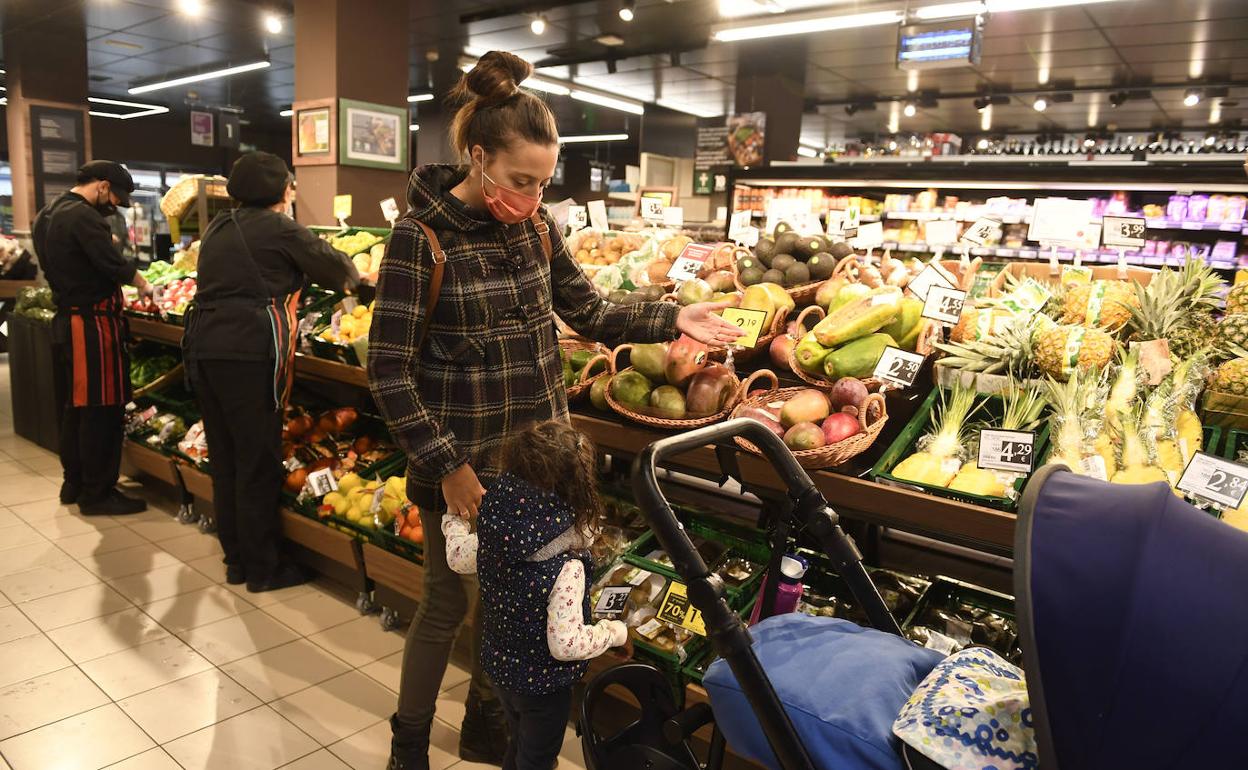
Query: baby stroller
<point x="1133" y="620"/>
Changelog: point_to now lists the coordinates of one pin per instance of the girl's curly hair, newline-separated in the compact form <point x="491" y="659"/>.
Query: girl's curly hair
<point x="556" y="457"/>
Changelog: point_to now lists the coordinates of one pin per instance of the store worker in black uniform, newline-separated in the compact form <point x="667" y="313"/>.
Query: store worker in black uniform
<point x="74" y="244"/>
<point x="239" y="348"/>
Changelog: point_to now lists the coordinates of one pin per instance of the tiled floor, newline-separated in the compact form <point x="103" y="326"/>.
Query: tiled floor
<point x="121" y="647"/>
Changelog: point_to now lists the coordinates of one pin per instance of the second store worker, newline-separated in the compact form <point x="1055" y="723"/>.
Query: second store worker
<point x="239" y="348"/>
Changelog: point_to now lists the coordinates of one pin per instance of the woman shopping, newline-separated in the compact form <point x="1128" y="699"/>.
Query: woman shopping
<point x="239" y="350"/>
<point x="463" y="353"/>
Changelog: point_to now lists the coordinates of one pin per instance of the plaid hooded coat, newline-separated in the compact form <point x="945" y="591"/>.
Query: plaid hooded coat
<point x="490" y="363"/>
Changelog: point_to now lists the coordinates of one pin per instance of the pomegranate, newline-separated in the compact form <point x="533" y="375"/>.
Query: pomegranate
<point x="840" y="426"/>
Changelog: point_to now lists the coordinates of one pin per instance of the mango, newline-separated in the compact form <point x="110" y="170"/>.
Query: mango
<point x="578" y="359"/>
<point x="598" y="393"/>
<point x="649" y="360"/>
<point x="668" y="402"/>
<point x="810" y="405"/>
<point x="857" y="358"/>
<point x="828" y="290"/>
<point x="349" y="482"/>
<point x="905" y="327"/>
<point x="694" y="291"/>
<point x="847" y="294"/>
<point x="569" y="376"/>
<point x="757" y="297"/>
<point x="810" y="354"/>
<point x="860" y="317"/>
<point x="779" y="297"/>
<point x="631" y="389"/>
<point x="804" y="435"/>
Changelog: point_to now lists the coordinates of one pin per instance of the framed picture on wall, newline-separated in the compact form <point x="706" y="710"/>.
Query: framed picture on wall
<point x="373" y="135"/>
<point x="314" y="138"/>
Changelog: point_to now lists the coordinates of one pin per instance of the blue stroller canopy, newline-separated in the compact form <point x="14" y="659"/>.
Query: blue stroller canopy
<point x="1133" y="615"/>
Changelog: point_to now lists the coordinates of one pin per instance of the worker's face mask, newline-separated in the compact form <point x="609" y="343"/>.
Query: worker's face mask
<point x="505" y="204"/>
<point x="104" y="201"/>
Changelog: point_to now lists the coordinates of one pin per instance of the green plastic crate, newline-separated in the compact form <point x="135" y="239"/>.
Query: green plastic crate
<point x="905" y="443"/>
<point x="1236" y="439"/>
<point x="947" y="591"/>
<point x="382" y="232"/>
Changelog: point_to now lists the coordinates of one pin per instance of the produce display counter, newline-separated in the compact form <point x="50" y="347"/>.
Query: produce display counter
<point x="149" y="329"/>
<point x="9" y="289"/>
<point x="336" y="546"/>
<point x="149" y="462"/>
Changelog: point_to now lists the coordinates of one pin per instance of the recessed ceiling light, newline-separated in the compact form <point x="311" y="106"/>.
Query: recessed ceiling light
<point x="909" y="110"/>
<point x="582" y="138"/>
<point x="286" y="113"/>
<point x="192" y="8"/>
<point x="1040" y="104"/>
<point x="805" y="24"/>
<point x="143" y="110"/>
<point x="611" y="41"/>
<point x="1192" y="97"/>
<point x="607" y="101"/>
<point x="538" y="25"/>
<point x="626" y="10"/>
<point x="273" y="23"/>
<point x="420" y="98"/>
<point x="414" y="127"/>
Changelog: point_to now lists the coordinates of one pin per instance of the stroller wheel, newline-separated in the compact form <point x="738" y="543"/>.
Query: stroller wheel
<point x="641" y="744"/>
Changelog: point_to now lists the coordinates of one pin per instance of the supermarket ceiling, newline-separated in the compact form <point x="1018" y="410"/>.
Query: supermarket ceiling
<point x="665" y="54"/>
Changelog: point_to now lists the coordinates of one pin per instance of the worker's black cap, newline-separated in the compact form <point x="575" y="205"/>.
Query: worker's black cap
<point x="258" y="179"/>
<point x="112" y="172"/>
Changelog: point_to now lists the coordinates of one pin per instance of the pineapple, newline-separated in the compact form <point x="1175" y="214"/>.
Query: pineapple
<point x="1021" y="411"/>
<point x="1237" y="299"/>
<point x="1232" y="377"/>
<point x="1062" y="349"/>
<point x="941" y="450"/>
<point x="1178" y="306"/>
<point x="1136" y="458"/>
<point x="1007" y="352"/>
<point x="1233" y="330"/>
<point x="1075" y="418"/>
<point x="1158" y="426"/>
<point x="1126" y="386"/>
<point x="979" y="323"/>
<point x="1099" y="304"/>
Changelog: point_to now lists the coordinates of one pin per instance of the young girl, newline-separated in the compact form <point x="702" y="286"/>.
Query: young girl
<point x="531" y="555"/>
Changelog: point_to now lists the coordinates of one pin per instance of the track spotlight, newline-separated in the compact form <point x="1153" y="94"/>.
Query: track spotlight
<point x="909" y="110"/>
<point x="626" y="10"/>
<point x="1118" y="98"/>
<point x="1040" y="104"/>
<point x="538" y="25"/>
<point x="1192" y="97"/>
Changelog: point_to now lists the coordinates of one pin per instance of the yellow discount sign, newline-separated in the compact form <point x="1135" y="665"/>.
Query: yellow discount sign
<point x="750" y="321"/>
<point x="679" y="611"/>
<point x="342" y="206"/>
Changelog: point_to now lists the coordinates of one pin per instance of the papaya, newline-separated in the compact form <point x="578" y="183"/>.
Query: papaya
<point x="905" y="327"/>
<point x="847" y="294"/>
<point x="631" y="388"/>
<point x="860" y="317"/>
<point x="809" y="354"/>
<point x="857" y="358"/>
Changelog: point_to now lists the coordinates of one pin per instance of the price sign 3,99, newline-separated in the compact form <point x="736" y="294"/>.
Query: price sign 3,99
<point x="1219" y="481"/>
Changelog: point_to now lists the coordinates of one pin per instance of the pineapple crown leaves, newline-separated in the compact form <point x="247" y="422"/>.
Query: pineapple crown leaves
<point x="1022" y="406"/>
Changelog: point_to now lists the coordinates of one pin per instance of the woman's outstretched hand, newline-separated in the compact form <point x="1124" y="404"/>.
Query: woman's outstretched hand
<point x="700" y="323"/>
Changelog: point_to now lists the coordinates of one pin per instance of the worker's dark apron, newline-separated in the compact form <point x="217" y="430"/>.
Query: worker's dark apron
<point x="279" y="313"/>
<point x="94" y="337"/>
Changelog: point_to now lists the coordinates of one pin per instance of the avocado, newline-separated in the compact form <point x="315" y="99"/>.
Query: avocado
<point x="617" y="297"/>
<point x="841" y="250"/>
<point x="632" y="298"/>
<point x="781" y="229"/>
<point x="786" y="241"/>
<point x="807" y="246"/>
<point x="653" y="293"/>
<point x="797" y="275"/>
<point x="745" y="263"/>
<point x="751" y="276"/>
<point x="825" y="244"/>
<point x="764" y="250"/>
<point x="821" y="266"/>
<point x="773" y="276"/>
<point x="783" y="262"/>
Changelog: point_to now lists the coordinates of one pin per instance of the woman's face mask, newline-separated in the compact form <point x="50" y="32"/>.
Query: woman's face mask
<point x="506" y="204"/>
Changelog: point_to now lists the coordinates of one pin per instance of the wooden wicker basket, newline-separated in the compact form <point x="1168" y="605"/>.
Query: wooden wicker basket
<point x="929" y="333"/>
<point x="802" y="295"/>
<point x="176" y="373"/>
<point x="571" y="344"/>
<point x="871" y="418"/>
<point x="850" y="269"/>
<point x="668" y="424"/>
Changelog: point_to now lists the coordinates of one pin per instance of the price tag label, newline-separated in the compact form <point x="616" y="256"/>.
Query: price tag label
<point x="389" y="210"/>
<point x="944" y="304"/>
<point x="598" y="215"/>
<point x="378" y="494"/>
<point x="612" y="600"/>
<point x="1124" y="232"/>
<point x="1007" y="450"/>
<point x="899" y="367"/>
<point x="932" y="275"/>
<point x="578" y="218"/>
<point x="1061" y="221"/>
<point x="652" y="210"/>
<point x="852" y="219"/>
<point x="786" y="210"/>
<point x="1094" y="466"/>
<point x="750" y="321"/>
<point x="940" y="232"/>
<point x="869" y="236"/>
<point x="690" y="261"/>
<point x="835" y="223"/>
<point x="292" y="464"/>
<point x="679" y="611"/>
<point x="322" y="482"/>
<point x="1219" y="481"/>
<point x="674" y="216"/>
<point x="342" y="206"/>
<point x="983" y="232"/>
<point x="738" y="225"/>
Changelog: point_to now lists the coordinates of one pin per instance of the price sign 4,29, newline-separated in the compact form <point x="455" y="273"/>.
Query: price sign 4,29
<point x="1219" y="481"/>
<point x="898" y="367"/>
<point x="1007" y="450"/>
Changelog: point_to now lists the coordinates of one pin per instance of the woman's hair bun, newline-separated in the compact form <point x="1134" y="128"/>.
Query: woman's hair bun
<point x="497" y="76"/>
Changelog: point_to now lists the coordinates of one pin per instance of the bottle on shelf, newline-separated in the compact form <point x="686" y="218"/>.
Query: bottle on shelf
<point x="789" y="588"/>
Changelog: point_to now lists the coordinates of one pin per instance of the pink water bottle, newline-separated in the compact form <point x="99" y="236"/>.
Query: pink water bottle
<point x="789" y="591"/>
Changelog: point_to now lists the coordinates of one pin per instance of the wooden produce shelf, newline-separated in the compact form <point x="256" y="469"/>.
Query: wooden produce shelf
<point x="947" y="520"/>
<point x="9" y="289"/>
<point x="336" y="546"/>
<point x="393" y="571"/>
<point x="314" y="368"/>
<point x="149" y="461"/>
<point x="196" y="481"/>
<point x="159" y="331"/>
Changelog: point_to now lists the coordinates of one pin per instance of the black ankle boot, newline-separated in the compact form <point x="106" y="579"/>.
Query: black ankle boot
<point x="483" y="736"/>
<point x="409" y="746"/>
